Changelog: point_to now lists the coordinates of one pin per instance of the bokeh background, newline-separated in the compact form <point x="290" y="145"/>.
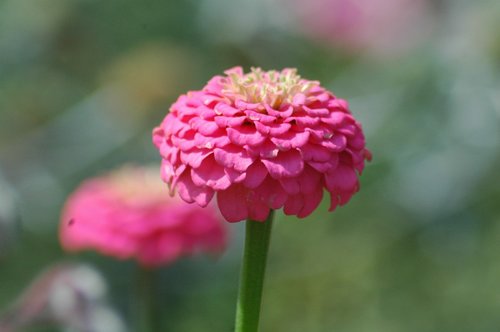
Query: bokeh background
<point x="83" y="82"/>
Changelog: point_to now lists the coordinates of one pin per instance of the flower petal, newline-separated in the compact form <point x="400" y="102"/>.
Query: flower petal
<point x="190" y="192"/>
<point x="194" y="158"/>
<point x="255" y="175"/>
<point x="311" y="202"/>
<point x="204" y="127"/>
<point x="271" y="193"/>
<point x="232" y="203"/>
<point x="245" y="135"/>
<point x="342" y="179"/>
<point x="317" y="112"/>
<point x="293" y="205"/>
<point x="234" y="157"/>
<point x="225" y="109"/>
<point x="210" y="174"/>
<point x="286" y="164"/>
<point x="291" y="140"/>
<point x="315" y="152"/>
<point x="228" y="121"/>
<point x="272" y="129"/>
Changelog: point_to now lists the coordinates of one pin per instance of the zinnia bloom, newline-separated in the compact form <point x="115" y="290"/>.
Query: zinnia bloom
<point x="127" y="214"/>
<point x="377" y="26"/>
<point x="261" y="141"/>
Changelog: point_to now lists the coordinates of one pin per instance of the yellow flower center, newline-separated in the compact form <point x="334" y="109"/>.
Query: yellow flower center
<point x="267" y="87"/>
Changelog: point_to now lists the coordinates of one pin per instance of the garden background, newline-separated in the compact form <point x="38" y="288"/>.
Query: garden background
<point x="82" y="84"/>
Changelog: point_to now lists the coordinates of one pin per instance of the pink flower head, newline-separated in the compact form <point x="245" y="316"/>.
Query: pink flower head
<point x="261" y="141"/>
<point x="127" y="214"/>
<point x="379" y="26"/>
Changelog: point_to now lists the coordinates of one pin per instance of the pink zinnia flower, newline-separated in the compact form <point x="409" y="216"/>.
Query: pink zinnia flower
<point x="127" y="214"/>
<point x="261" y="141"/>
<point x="379" y="26"/>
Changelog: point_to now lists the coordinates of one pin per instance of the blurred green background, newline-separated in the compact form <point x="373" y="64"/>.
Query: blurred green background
<point x="83" y="82"/>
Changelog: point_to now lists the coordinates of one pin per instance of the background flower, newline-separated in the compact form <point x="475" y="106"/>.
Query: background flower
<point x="384" y="27"/>
<point x="261" y="141"/>
<point x="128" y="214"/>
<point x="65" y="295"/>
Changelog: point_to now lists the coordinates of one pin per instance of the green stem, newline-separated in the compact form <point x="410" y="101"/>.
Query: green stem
<point x="258" y="235"/>
<point x="146" y="301"/>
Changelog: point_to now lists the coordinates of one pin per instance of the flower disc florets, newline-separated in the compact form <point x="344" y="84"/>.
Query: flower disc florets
<point x="261" y="141"/>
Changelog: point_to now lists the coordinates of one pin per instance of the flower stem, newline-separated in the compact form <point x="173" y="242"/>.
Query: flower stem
<point x="146" y="301"/>
<point x="258" y="235"/>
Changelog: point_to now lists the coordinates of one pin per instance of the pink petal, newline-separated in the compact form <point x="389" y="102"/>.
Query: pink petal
<point x="335" y="144"/>
<point x="303" y="121"/>
<point x="357" y="142"/>
<point x="355" y="156"/>
<point x="286" y="164"/>
<point x="226" y="110"/>
<point x="211" y="100"/>
<point x="226" y="121"/>
<point x="290" y="185"/>
<point x="178" y="172"/>
<point x="238" y="70"/>
<point x="258" y="210"/>
<point x="338" y="104"/>
<point x="343" y="178"/>
<point x="322" y="97"/>
<point x="317" y="112"/>
<point x="315" y="152"/>
<point x="234" y="157"/>
<point x="206" y="113"/>
<point x="283" y="112"/>
<point x="208" y="142"/>
<point x="326" y="166"/>
<point x="169" y="152"/>
<point x="167" y="171"/>
<point x="245" y="135"/>
<point x="293" y="205"/>
<point x="348" y="130"/>
<point x="255" y="174"/>
<point x="158" y="136"/>
<point x="266" y="150"/>
<point x="235" y="176"/>
<point x="210" y="174"/>
<point x="291" y="140"/>
<point x="337" y="119"/>
<point x="334" y="202"/>
<point x="243" y="105"/>
<point x="271" y="193"/>
<point x="273" y="129"/>
<point x="260" y="117"/>
<point x="204" y="127"/>
<point x="320" y="133"/>
<point x="286" y="111"/>
<point x="299" y="99"/>
<point x="311" y="202"/>
<point x="232" y="203"/>
<point x="190" y="192"/>
<point x="194" y="158"/>
<point x="310" y="180"/>
<point x="185" y="144"/>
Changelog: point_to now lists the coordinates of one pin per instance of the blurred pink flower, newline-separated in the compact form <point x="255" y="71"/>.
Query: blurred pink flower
<point x="128" y="214"/>
<point x="380" y="26"/>
<point x="261" y="141"/>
